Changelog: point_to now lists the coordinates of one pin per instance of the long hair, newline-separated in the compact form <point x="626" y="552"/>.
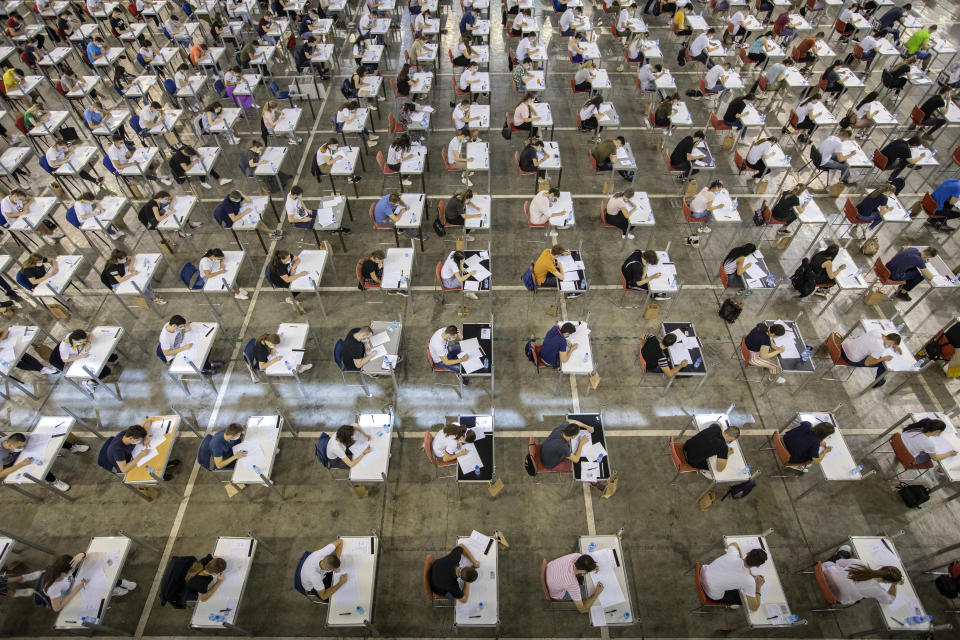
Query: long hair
<point x="740" y="252"/>
<point x="54" y="570"/>
<point x="862" y="573"/>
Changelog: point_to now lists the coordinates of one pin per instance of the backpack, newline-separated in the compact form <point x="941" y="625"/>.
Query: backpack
<point x="738" y="491"/>
<point x="682" y="55"/>
<point x="506" y="132"/>
<point x="730" y="310"/>
<point x="870" y="247"/>
<point x="438" y="227"/>
<point x="804" y="280"/>
<point x="913" y="495"/>
<point x="528" y="351"/>
<point x="527" y="279"/>
<point x="528" y="465"/>
<point x="949" y="585"/>
<point x="758" y="219"/>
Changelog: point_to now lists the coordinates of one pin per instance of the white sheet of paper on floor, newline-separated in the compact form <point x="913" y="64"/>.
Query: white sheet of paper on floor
<point x="485" y="333"/>
<point x="379" y="338"/>
<point x="471" y="460"/>
<point x="593" y="451"/>
<point x="473" y="363"/>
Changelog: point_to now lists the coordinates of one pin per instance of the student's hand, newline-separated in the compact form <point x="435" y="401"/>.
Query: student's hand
<point x="841" y="268"/>
<point x="146" y="441"/>
<point x="684" y="363"/>
<point x="729" y="451"/>
<point x="367" y="450"/>
<point x="760" y="581"/>
<point x="599" y="588"/>
<point x="22" y="463"/>
<point x="886" y="358"/>
<point x="827" y="450"/>
<point x="240" y="454"/>
<point x="343" y="579"/>
<point x="463" y="358"/>
<point x="572" y="346"/>
<point x="747" y="265"/>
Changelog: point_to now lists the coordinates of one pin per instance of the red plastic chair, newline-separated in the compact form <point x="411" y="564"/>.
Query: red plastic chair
<point x="746" y="61"/>
<point x="361" y="280"/>
<point x="513" y="127"/>
<point x="387" y="171"/>
<point x="443" y="287"/>
<point x="782" y="454"/>
<point x="377" y="225"/>
<point x="428" y="449"/>
<point x="740" y="162"/>
<point x="395" y="127"/>
<point x="534" y="450"/>
<point x="824" y="587"/>
<point x="930" y="207"/>
<point x="701" y="594"/>
<point x="526" y="213"/>
<point x="603" y="219"/>
<point x="456" y="87"/>
<point x="905" y="458"/>
<point x="850" y="213"/>
<point x="679" y="459"/>
<point x="883" y="274"/>
<point x="879" y="160"/>
<point x="573" y="87"/>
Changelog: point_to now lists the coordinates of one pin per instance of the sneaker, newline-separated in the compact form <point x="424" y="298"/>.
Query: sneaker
<point x="196" y="225"/>
<point x="206" y="185"/>
<point x="119" y="591"/>
<point x="289" y="300"/>
<point x="877" y="385"/>
<point x="820" y="291"/>
<point x="167" y="477"/>
<point x="466" y="181"/>
<point x="471" y="295"/>
<point x="61" y="485"/>
<point x="167" y="181"/>
<point x="781" y="380"/>
<point x="116" y="235"/>
<point x="79" y="448"/>
<point x="48" y="371"/>
<point x="224" y="181"/>
<point x="276" y="235"/>
<point x="304" y="368"/>
<point x="629" y="236"/>
<point x="90" y="386"/>
<point x="381" y="98"/>
<point x="704" y="229"/>
<point x="903" y="295"/>
<point x="405" y="182"/>
<point x="785" y="232"/>
<point x="373" y="138"/>
<point x="241" y="295"/>
<point x="469" y="238"/>
<point x="56" y="235"/>
<point x="184" y="234"/>
<point x="129" y="585"/>
<point x="552" y="233"/>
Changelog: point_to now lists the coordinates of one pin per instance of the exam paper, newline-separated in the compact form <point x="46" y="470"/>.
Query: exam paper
<point x="755" y="270"/>
<point x="350" y="591"/>
<point x="380" y="338"/>
<point x="473" y="363"/>
<point x="378" y="352"/>
<point x="485" y="333"/>
<point x="593" y="451"/>
<point x="469" y="345"/>
<point x="255" y="454"/>
<point x="589" y="472"/>
<point x="325" y="218"/>
<point x="567" y="263"/>
<point x="597" y="618"/>
<point x="471" y="285"/>
<point x="471" y="460"/>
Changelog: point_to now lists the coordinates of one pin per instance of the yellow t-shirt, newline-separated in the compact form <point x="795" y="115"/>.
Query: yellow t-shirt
<point x="544" y="265"/>
<point x="9" y="80"/>
<point x="679" y="19"/>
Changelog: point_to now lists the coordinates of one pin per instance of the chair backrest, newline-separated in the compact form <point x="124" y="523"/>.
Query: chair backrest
<point x="882" y="273"/>
<point x="320" y="449"/>
<point x="203" y="452"/>
<point x="835" y="351"/>
<point x="744" y="351"/>
<point x="929" y="204"/>
<point x="879" y="160"/>
<point x="220" y="88"/>
<point x="822" y="583"/>
<point x="677" y="455"/>
<point x="850" y="211"/>
<point x="780" y="448"/>
<point x="857" y="52"/>
<point x="427" y="566"/>
<point x="701" y="594"/>
<point x="338" y="353"/>
<point x="815" y="156"/>
<point x="297" y="584"/>
<point x="159" y="352"/>
<point x="900" y="450"/>
<point x="72" y="218"/>
<point x="188" y="272"/>
<point x="170" y="86"/>
<point x="44" y="164"/>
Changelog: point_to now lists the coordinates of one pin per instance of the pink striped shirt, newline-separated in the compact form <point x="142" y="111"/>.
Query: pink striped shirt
<point x="561" y="578"/>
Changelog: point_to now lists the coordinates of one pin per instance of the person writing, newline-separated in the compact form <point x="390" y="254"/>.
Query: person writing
<point x="338" y="447"/>
<point x="872" y="349"/>
<point x="636" y="269"/>
<point x="805" y="443"/>
<point x="910" y="267"/>
<point x="851" y="580"/>
<point x="558" y="446"/>
<point x="221" y="447"/>
<point x="619" y="208"/>
<point x="204" y="577"/>
<point x="714" y="441"/>
<point x="724" y="579"/>
<point x="451" y="580"/>
<point x="763" y="353"/>
<point x="445" y="350"/>
<point x="654" y="354"/>
<point x="316" y="574"/>
<point x="822" y="264"/>
<point x="449" y="441"/>
<point x="59" y="585"/>
<point x="563" y="583"/>
<point x="918" y="439"/>
<point x="736" y="263"/>
<point x="557" y="348"/>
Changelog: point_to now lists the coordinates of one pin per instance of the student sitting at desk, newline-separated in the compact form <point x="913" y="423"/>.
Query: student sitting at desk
<point x="605" y="155"/>
<point x="530" y="157"/>
<point x="910" y="266"/>
<point x="219" y="454"/>
<point x="157" y="209"/>
<point x="59" y="585"/>
<point x="449" y="441"/>
<point x="87" y="206"/>
<point x="736" y="263"/>
<point x="171" y="343"/>
<point x="16" y="204"/>
<point x="204" y="577"/>
<point x="557" y="447"/>
<point x="186" y="158"/>
<point x="265" y="353"/>
<point x="873" y="207"/>
<point x="454" y="273"/>
<point x="338" y="447"/>
<point x="683" y="155"/>
<point x="787" y="208"/>
<point x="946" y="196"/>
<point x="822" y="265"/>
<point x="712" y="441"/>
<point x="445" y="349"/>
<point x="119" y="453"/>
<point x="76" y="346"/>
<point x="870" y="350"/>
<point x="27" y="362"/>
<point x="115" y="271"/>
<point x="546" y="270"/>
<point x="457" y="158"/>
<point x="556" y="349"/>
<point x="316" y="574"/>
<point x="804" y="441"/>
<point x="563" y="582"/>
<point x="390" y="208"/>
<point x="726" y="577"/>
<point x="619" y="208"/>
<point x="212" y="265"/>
<point x="456" y="211"/>
<point x="636" y="272"/>
<point x="12" y="445"/>
<point x="759" y="343"/>
<point x="229" y="211"/>
<point x="58" y="155"/>
<point x="705" y="203"/>
<point x="356" y="349"/>
<point x="663" y="114"/>
<point x="917" y="439"/>
<point x="851" y="580"/>
<point x="449" y="579"/>
<point x="654" y="354"/>
<point x="371" y="269"/>
<point x="282" y="271"/>
<point x="539" y="210"/>
<point x="297" y="214"/>
<point x="122" y="158"/>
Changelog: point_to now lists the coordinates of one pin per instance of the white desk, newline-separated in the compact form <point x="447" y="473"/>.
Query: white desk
<point x="201" y="335"/>
<point x="293" y="336"/>
<point x="612" y="570"/>
<point x="265" y="432"/>
<point x="580" y="362"/>
<point x="774" y="611"/>
<point x="877" y="552"/>
<point x="353" y="607"/>
<point x="397" y="268"/>
<point x="222" y="607"/>
<point x="375" y="465"/>
<point x="44" y="442"/>
<point x="483" y="607"/>
<point x="102" y="566"/>
<point x="105" y="340"/>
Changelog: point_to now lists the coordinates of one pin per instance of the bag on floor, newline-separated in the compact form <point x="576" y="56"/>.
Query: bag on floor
<point x="836" y="189"/>
<point x="652" y="311"/>
<point x="528" y="466"/>
<point x="728" y="142"/>
<point x="758" y="219"/>
<point x="874" y="297"/>
<point x="506" y="132"/>
<point x="730" y="310"/>
<point x="949" y="585"/>
<point x="438" y="227"/>
<point x="738" y="491"/>
<point x="804" y="279"/>
<point x="870" y="247"/>
<point x="762" y="187"/>
<point x="692" y="188"/>
<point x="913" y="495"/>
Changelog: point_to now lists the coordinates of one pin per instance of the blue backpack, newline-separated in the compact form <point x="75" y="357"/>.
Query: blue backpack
<point x="321" y="449"/>
<point x="527" y="279"/>
<point x="102" y="459"/>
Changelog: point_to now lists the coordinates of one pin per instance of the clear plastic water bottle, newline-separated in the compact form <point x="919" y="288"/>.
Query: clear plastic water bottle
<point x="36" y="461"/>
<point x="476" y="469"/>
<point x="395" y="325"/>
<point x="217" y="617"/>
<point x="805" y="354"/>
<point x="479" y="606"/>
<point x="790" y="619"/>
<point x="586" y="358"/>
<point x="486" y="363"/>
<point x="734" y="204"/>
<point x="915" y="620"/>
<point x="88" y="619"/>
<point x="591" y="547"/>
<point x="861" y="270"/>
<point x="4" y="364"/>
<point x="696" y="365"/>
<point x="403" y="280"/>
<point x="256" y="470"/>
<point x="626" y="616"/>
<point x="901" y="326"/>
<point x="919" y="363"/>
<point x="676" y="283"/>
<point x="746" y="470"/>
<point x="857" y="469"/>
<point x="286" y="363"/>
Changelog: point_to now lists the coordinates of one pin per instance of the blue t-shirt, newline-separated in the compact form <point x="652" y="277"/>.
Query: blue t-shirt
<point x="891" y="16"/>
<point x="904" y="261"/>
<point x="226" y="209"/>
<point x="949" y="189"/>
<point x="802" y="443"/>
<point x="553" y="344"/>
<point x="93" y="50"/>
<point x="220" y="448"/>
<point x="92" y="117"/>
<point x="467" y="19"/>
<point x="383" y="210"/>
<point x="119" y="452"/>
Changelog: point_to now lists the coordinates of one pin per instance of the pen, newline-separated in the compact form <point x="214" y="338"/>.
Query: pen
<point x="884" y="541"/>
<point x="615" y="558"/>
<point x="762" y="546"/>
<point x="474" y="617"/>
<point x="773" y="617"/>
<point x="208" y="331"/>
<point x="899" y="622"/>
<point x="250" y="550"/>
<point x="371" y="545"/>
<point x="346" y="613"/>
<point x="487" y="550"/>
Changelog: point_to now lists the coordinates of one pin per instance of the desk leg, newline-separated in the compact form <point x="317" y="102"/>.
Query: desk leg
<point x="79" y="387"/>
<point x="43" y="484"/>
<point x="233" y="627"/>
<point x="393" y="379"/>
<point x="363" y="383"/>
<point x="396" y="237"/>
<point x="237" y="240"/>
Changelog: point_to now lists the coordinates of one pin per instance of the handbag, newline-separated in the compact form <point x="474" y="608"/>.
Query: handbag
<point x="506" y="132"/>
<point x="438" y="227"/>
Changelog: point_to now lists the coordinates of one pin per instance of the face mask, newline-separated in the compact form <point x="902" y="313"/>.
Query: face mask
<point x="365" y="340"/>
<point x="18" y="450"/>
<point x="178" y="330"/>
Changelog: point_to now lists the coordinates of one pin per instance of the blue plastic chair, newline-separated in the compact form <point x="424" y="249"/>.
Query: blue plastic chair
<point x="143" y="63"/>
<point x="108" y="165"/>
<point x="277" y="92"/>
<point x="170" y="86"/>
<point x="190" y="276"/>
<point x="45" y="165"/>
<point x="220" y="88"/>
<point x="72" y="217"/>
<point x="23" y="282"/>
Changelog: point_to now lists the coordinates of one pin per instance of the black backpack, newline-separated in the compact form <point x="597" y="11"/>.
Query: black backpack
<point x="949" y="585"/>
<point x="738" y="491"/>
<point x="730" y="310"/>
<point x="506" y="132"/>
<point x="682" y="55"/>
<point x="804" y="279"/>
<point x="913" y="495"/>
<point x="528" y="465"/>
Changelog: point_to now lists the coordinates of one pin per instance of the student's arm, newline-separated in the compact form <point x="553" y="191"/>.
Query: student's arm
<point x="571" y="347"/>
<point x="819" y="459"/>
<point x="843" y="157"/>
<point x="743" y="265"/>
<point x="451" y="361"/>
<point x="870" y="361"/>
<point x="15" y="467"/>
<point x="326" y="593"/>
<point x="466" y="593"/>
<point x="130" y="274"/>
<point x="59" y="603"/>
<point x="220" y="463"/>
<point x="351" y="463"/>
<point x="584" y="606"/>
<point x="768" y="353"/>
<point x="203" y="597"/>
<point x="275" y="359"/>
<point x="831" y="273"/>
<point x="134" y="461"/>
<point x="753" y="602"/>
<point x="670" y="372"/>
<point x="928" y="273"/>
<point x="942" y="456"/>
<point x="469" y="555"/>
<point x="722" y="462"/>
<point x="575" y="456"/>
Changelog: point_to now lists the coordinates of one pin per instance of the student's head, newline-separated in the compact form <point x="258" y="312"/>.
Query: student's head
<point x="716" y="185"/>
<point x="345" y="435"/>
<point x="134" y="434"/>
<point x="77" y="336"/>
<point x="234" y="431"/>
<point x="214" y="253"/>
<point x="329" y="562"/>
<point x="932" y="27"/>
<point x="117" y="256"/>
<point x="553" y="193"/>
<point x="731" y="433"/>
<point x="929" y="252"/>
<point x="891" y="340"/>
<point x="669" y="340"/>
<point x="650" y="257"/>
<point x="584" y="564"/>
<point x="711" y="31"/>
<point x="557" y="250"/>
<point x="823" y="430"/>
<point x="162" y="197"/>
<point x="568" y="329"/>
<point x="271" y="339"/>
<point x="177" y="321"/>
<point x="377" y="255"/>
<point x="698" y="135"/>
<point x="215" y="566"/>
<point x="468" y="574"/>
<point x="465" y="195"/>
<point x="619" y="141"/>
<point x="755" y="558"/>
<point x="15" y="442"/>
<point x="451" y="331"/>
<point x="55" y="570"/>
<point x="775" y="330"/>
<point x="863" y="573"/>
<point x="831" y="251"/>
<point x="819" y="35"/>
<point x="596" y="101"/>
<point x="914" y="141"/>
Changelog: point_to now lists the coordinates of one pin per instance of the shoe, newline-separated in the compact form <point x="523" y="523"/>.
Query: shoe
<point x="167" y="477"/>
<point x="406" y="182"/>
<point x="276" y="235"/>
<point x="354" y="179"/>
<point x="48" y="371"/>
<point x="99" y="181"/>
<point x="129" y="585"/>
<point x="56" y="235"/>
<point x="167" y="181"/>
<point x="573" y="295"/>
<point x="373" y="138"/>
<point x="629" y="236"/>
<point x="173" y="464"/>
<point x="784" y="232"/>
<point x="289" y="300"/>
<point x="241" y="295"/>
<point x="694" y="172"/>
<point x="217" y="364"/>
<point x="206" y="185"/>
<point x="61" y="485"/>
<point x="116" y="235"/>
<point x="781" y="380"/>
<point x="90" y="386"/>
<point x="552" y="233"/>
<point x="345" y="230"/>
<point x="79" y="448"/>
<point x="184" y="234"/>
<point x="195" y="225"/>
<point x="471" y="295"/>
<point x="119" y="591"/>
<point x="704" y="229"/>
<point x="466" y="181"/>
<point x="819" y="291"/>
<point x="468" y="238"/>
<point x="224" y="181"/>
<point x="381" y="98"/>
<point x="304" y="368"/>
<point x="845" y="548"/>
<point x="903" y="295"/>
<point x="158" y="300"/>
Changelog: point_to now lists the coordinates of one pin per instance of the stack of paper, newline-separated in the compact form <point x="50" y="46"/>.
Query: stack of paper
<point x="470" y="461"/>
<point x="255" y="455"/>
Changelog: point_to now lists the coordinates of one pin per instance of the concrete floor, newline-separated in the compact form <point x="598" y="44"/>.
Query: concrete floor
<point x="665" y="533"/>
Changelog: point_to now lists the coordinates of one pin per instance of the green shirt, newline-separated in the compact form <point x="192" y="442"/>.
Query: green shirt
<point x="917" y="40"/>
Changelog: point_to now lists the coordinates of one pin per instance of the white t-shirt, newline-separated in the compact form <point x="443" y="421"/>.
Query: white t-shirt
<point x="616" y="205"/>
<point x="61" y="587"/>
<point x="449" y="270"/>
<point x="727" y="573"/>
<point x="208" y="264"/>
<point x="623" y="19"/>
<point x="756" y="152"/>
<point x="394" y="155"/>
<point x="82" y="209"/>
<point x="453" y="149"/>
<point x="702" y="200"/>
<point x="55" y="155"/>
<point x="335" y="450"/>
<point x="467" y="77"/>
<point x="832" y="145"/>
<point x="567" y="18"/>
<point x="117" y="155"/>
<point x="868" y="44"/>
<point x="699" y="44"/>
<point x="459" y="113"/>
<point x="869" y="344"/>
<point x="645" y="74"/>
<point x="736" y="20"/>
<point x="294" y="208"/>
<point x="587" y="112"/>
<point x="847" y="591"/>
<point x="582" y="75"/>
<point x="442" y="443"/>
<point x="540" y="208"/>
<point x="311" y="575"/>
<point x="8" y="207"/>
<point x="803" y="109"/>
<point x="438" y="346"/>
<point x="845" y="15"/>
<point x="634" y="49"/>
<point x="917" y="443"/>
<point x="713" y="76"/>
<point x="522" y="47"/>
<point x="166" y="341"/>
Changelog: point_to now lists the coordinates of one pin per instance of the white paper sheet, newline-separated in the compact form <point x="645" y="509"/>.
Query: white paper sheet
<point x="485" y="333"/>
<point x="379" y="338"/>
<point x="325" y="217"/>
<point x="678" y="353"/>
<point x="597" y="618"/>
<point x="350" y="591"/>
<point x="612" y="594"/>
<point x="567" y="285"/>
<point x="378" y="352"/>
<point x="471" y="285"/>
<point x="471" y="460"/>
<point x="755" y="270"/>
<point x="593" y="451"/>
<point x="567" y="263"/>
<point x="473" y="363"/>
<point x="469" y="345"/>
<point x="789" y="342"/>
<point x="255" y="454"/>
<point x="589" y="472"/>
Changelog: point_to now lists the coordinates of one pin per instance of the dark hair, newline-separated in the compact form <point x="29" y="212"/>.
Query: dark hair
<point x="894" y="338"/>
<point x="571" y="430"/>
<point x="345" y="435"/>
<point x="135" y="431"/>
<point x="54" y="570"/>
<point x="621" y="140"/>
<point x="776" y="330"/>
<point x="452" y="329"/>
<point x="867" y="99"/>
<point x="378" y="254"/>
<point x="233" y="429"/>
<point x="698" y="134"/>
<point x="214" y="253"/>
<point x="332" y="561"/>
<point x="296" y="190"/>
<point x="914" y="141"/>
<point x="568" y="328"/>
<point x="650" y="257"/>
<point x="740" y="252"/>
<point x="178" y="319"/>
<point x="830" y="252"/>
<point x="669" y="339"/>
<point x="468" y="574"/>
<point x="17" y="437"/>
<point x="862" y="573"/>
<point x="756" y="557"/>
<point x="272" y="338"/>
<point x="585" y="563"/>
<point x="117" y="255"/>
<point x="77" y="334"/>
<point x="822" y="430"/>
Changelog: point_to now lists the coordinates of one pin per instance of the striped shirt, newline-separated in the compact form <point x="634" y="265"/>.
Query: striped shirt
<point x="561" y="578"/>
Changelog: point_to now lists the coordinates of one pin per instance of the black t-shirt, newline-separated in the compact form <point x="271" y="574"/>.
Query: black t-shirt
<point x="403" y="87"/>
<point x="802" y="443"/>
<point x="783" y="210"/>
<point x="178" y="159"/>
<point x="653" y="355"/>
<point x="36" y="272"/>
<point x="443" y="576"/>
<point x="198" y="584"/>
<point x="112" y="273"/>
<point x="455" y="210"/>
<point x="817" y="261"/>
<point x="735" y="107"/>
<point x="261" y="352"/>
<point x="897" y="150"/>
<point x="757" y="338"/>
<point x="632" y="268"/>
<point x="527" y="156"/>
<point x="368" y="268"/>
<point x="679" y="154"/>
<point x="353" y="349"/>
<point x="146" y="214"/>
<point x="932" y="104"/>
<point x="705" y="444"/>
<point x="277" y="271"/>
